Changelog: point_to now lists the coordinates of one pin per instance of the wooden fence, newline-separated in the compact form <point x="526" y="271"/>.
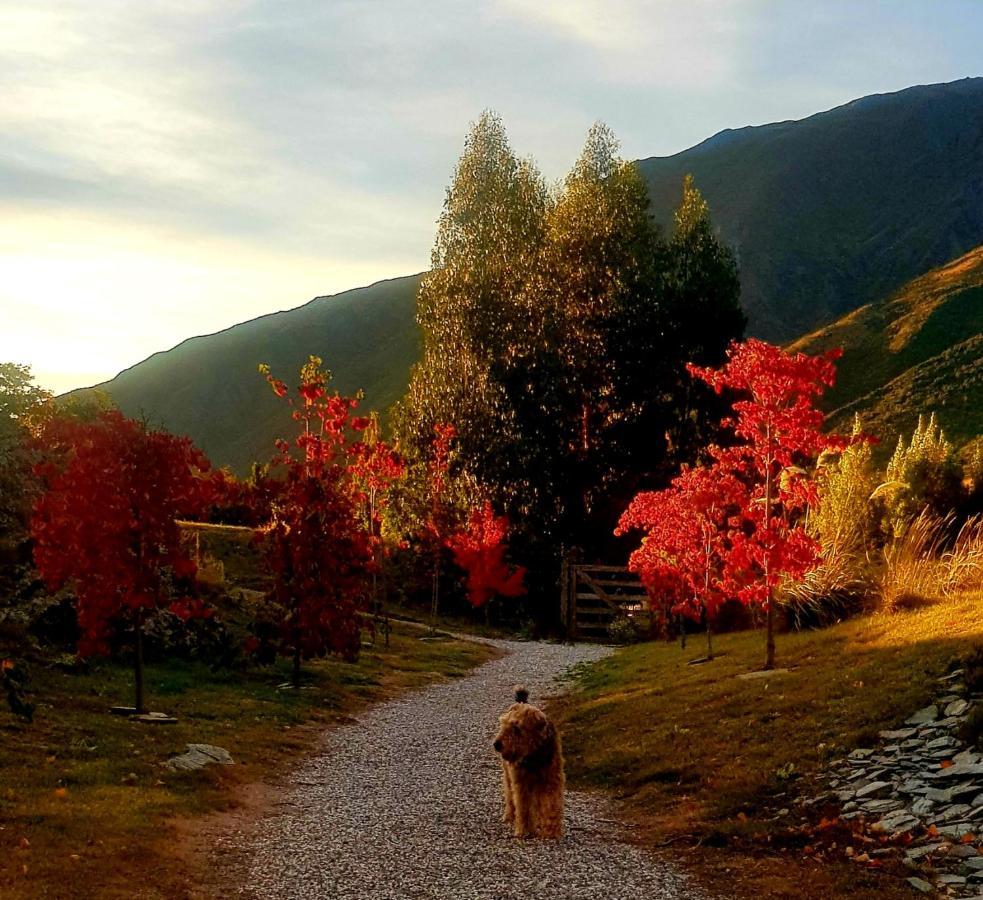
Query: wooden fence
<point x="591" y="597"/>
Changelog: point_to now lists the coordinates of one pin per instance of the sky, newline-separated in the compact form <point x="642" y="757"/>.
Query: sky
<point x="171" y="168"/>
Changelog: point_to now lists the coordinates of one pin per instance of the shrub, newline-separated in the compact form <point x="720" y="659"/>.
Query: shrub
<point x="912" y="568"/>
<point x="840" y="586"/>
<point x="925" y="562"/>
<point x="922" y="474"/>
<point x="844" y="520"/>
<point x="622" y="630"/>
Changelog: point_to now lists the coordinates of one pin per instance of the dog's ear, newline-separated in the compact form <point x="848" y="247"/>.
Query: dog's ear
<point x="521" y="694"/>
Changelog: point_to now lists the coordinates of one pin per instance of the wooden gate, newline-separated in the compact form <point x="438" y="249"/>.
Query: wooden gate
<point x="591" y="597"/>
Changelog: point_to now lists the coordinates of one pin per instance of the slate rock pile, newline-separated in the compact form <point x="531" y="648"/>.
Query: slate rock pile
<point x="924" y="781"/>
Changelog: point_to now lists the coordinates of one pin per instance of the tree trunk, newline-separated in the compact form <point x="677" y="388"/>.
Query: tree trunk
<point x="296" y="670"/>
<point x="709" y="636"/>
<point x="434" y="597"/>
<point x="138" y="704"/>
<point x="770" y="628"/>
<point x="769" y="612"/>
<point x="682" y="632"/>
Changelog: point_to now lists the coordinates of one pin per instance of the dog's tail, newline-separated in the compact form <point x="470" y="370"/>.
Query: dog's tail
<point x="521" y="694"/>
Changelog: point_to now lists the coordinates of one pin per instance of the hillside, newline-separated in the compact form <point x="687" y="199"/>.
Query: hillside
<point x="919" y="350"/>
<point x="839" y="209"/>
<point x="208" y="387"/>
<point x="826" y="214"/>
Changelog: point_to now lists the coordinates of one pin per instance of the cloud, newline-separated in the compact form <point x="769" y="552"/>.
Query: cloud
<point x="307" y="144"/>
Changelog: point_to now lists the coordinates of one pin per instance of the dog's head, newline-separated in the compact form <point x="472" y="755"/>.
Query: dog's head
<point x="525" y="735"/>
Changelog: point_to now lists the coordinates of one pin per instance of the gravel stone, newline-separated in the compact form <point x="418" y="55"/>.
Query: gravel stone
<point x="405" y="804"/>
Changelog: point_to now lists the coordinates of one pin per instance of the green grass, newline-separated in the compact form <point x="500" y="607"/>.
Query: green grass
<point x="699" y="753"/>
<point x="87" y="790"/>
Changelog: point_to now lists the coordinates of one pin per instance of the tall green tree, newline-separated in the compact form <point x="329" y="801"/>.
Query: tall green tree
<point x="553" y="340"/>
<point x="473" y="312"/>
<point x="703" y="300"/>
<point x="20" y="400"/>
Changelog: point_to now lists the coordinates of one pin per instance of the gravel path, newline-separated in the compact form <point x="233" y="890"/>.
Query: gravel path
<point x="405" y="803"/>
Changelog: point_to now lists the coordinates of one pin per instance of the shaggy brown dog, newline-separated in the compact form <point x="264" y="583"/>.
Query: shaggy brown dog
<point x="532" y="770"/>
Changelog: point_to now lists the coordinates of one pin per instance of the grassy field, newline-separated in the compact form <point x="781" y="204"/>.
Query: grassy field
<point x="705" y="759"/>
<point x="88" y="809"/>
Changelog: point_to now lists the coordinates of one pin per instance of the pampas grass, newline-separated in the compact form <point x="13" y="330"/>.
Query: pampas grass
<point x="838" y="587"/>
<point x="926" y="563"/>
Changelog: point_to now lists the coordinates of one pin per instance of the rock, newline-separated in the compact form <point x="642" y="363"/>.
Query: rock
<point x="898" y="734"/>
<point x="155" y="718"/>
<point x="957" y="831"/>
<point x="973" y="864"/>
<point x="874" y="790"/>
<point x="762" y="673"/>
<point x="961" y="770"/>
<point x="978" y="800"/>
<point x="928" y="714"/>
<point x="920" y="884"/>
<point x="860" y="753"/>
<point x="957" y="707"/>
<point x="964" y="791"/>
<point x="922" y="807"/>
<point x="951" y="879"/>
<point x="953" y="813"/>
<point x="199" y="755"/>
<point x="897" y="822"/>
<point x="918" y="852"/>
<point x="935" y="795"/>
<point x="883" y="806"/>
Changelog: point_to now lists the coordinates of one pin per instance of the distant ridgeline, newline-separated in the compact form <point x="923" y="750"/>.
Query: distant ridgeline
<point x="827" y="215"/>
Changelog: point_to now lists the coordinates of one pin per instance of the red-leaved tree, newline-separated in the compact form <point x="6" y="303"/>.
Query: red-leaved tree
<point x="375" y="467"/>
<point x="779" y="437"/>
<point x="106" y="524"/>
<point x="689" y="530"/>
<point x="319" y="554"/>
<point x="479" y="549"/>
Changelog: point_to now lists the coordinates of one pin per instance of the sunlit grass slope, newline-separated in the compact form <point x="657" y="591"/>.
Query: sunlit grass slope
<point x="918" y="351"/>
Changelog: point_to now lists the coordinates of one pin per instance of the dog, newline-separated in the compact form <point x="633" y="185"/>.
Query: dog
<point x="532" y="770"/>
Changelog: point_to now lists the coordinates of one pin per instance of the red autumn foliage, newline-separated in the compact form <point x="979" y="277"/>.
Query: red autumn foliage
<point x="106" y="520"/>
<point x="319" y="554"/>
<point x="479" y="550"/>
<point x="688" y="533"/>
<point x="779" y="432"/>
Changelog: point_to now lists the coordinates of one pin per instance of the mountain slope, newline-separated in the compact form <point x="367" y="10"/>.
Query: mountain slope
<point x="826" y="214"/>
<point x="841" y="208"/>
<point x="209" y="389"/>
<point x="918" y="351"/>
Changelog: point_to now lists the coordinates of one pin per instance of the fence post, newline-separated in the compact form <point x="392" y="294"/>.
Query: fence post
<point x="565" y="596"/>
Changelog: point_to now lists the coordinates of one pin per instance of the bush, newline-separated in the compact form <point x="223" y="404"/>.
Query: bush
<point x="844" y="520"/>
<point x="839" y="587"/>
<point x="924" y="474"/>
<point x="925" y="562"/>
<point x="623" y="630"/>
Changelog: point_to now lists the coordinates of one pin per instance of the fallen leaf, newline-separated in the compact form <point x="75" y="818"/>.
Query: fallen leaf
<point x="61" y="792"/>
<point x="24" y="844"/>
